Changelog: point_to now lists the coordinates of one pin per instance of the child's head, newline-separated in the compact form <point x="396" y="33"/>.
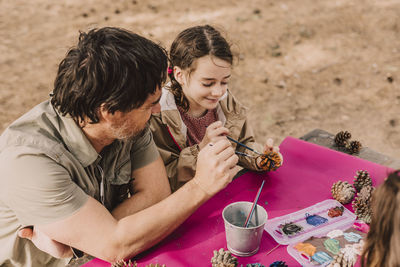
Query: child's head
<point x="382" y="247"/>
<point x="201" y="61"/>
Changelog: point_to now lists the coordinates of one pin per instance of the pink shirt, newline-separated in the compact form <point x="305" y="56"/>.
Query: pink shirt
<point x="196" y="127"/>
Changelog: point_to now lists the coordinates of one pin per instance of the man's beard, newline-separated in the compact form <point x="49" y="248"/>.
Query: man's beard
<point x="123" y="133"/>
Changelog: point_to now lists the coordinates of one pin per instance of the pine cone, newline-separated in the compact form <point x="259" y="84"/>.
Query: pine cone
<point x="343" y="192"/>
<point x="343" y="259"/>
<point x="223" y="258"/>
<point x="362" y="208"/>
<point x="122" y="263"/>
<point x="341" y="138"/>
<point x="362" y="179"/>
<point x="354" y="147"/>
<point x="270" y="161"/>
<point x="366" y="193"/>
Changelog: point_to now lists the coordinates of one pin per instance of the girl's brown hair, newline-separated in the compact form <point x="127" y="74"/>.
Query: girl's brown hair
<point x="191" y="44"/>
<point x="382" y="247"/>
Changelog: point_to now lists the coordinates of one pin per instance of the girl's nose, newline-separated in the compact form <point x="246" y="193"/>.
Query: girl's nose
<point x="218" y="90"/>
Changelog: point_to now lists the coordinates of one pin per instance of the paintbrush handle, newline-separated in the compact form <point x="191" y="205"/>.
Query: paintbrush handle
<point x="244" y="154"/>
<point x="243" y="145"/>
<point x="246" y="224"/>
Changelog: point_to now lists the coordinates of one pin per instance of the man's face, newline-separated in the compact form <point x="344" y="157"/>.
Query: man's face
<point x="131" y="124"/>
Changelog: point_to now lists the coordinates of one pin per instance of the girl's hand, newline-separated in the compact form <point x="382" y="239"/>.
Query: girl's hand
<point x="269" y="146"/>
<point x="215" y="132"/>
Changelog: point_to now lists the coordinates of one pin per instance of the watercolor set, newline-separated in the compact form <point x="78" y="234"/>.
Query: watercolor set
<point x="318" y="235"/>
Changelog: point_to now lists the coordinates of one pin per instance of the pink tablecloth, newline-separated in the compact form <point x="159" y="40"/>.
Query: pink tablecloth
<point x="305" y="179"/>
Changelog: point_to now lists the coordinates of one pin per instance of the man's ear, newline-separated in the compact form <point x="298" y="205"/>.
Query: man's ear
<point x="179" y="75"/>
<point x="104" y="114"/>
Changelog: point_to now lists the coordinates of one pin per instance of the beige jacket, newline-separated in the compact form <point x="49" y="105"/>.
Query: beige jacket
<point x="169" y="133"/>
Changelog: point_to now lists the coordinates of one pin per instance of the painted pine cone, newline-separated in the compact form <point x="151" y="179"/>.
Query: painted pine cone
<point x="354" y="147"/>
<point x="362" y="179"/>
<point x="343" y="192"/>
<point x="341" y="138"/>
<point x="223" y="258"/>
<point x="278" y="264"/>
<point x="270" y="161"/>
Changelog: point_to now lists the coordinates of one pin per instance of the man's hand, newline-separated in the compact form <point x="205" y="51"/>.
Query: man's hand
<point x="45" y="243"/>
<point x="216" y="166"/>
<point x="215" y="132"/>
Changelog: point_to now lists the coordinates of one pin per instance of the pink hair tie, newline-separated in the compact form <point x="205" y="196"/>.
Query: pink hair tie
<point x="170" y="70"/>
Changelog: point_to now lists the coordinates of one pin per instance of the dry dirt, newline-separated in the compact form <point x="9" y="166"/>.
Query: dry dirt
<point x="302" y="64"/>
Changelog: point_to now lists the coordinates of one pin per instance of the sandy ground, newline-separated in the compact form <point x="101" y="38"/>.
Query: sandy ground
<point x="302" y="64"/>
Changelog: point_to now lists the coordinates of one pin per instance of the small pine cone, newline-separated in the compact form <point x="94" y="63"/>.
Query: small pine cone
<point x="338" y="261"/>
<point x="223" y="258"/>
<point x="278" y="264"/>
<point x="354" y="147"/>
<point x="343" y="192"/>
<point x="362" y="209"/>
<point x="343" y="259"/>
<point x="270" y="161"/>
<point x="362" y="179"/>
<point x="341" y="138"/>
<point x="365" y="217"/>
<point x="365" y="193"/>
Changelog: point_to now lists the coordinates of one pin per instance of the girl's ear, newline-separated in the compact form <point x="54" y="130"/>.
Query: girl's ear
<point x="179" y="75"/>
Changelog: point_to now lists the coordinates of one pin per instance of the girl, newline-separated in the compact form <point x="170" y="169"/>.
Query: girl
<point x="196" y="106"/>
<point x="382" y="245"/>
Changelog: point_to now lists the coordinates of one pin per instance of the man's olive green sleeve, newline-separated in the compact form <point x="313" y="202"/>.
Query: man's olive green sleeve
<point x="37" y="189"/>
<point x="144" y="150"/>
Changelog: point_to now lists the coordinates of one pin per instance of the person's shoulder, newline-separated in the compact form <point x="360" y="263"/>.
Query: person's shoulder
<point x="32" y="133"/>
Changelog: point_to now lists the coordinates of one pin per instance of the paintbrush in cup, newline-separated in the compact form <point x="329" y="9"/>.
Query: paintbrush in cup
<point x="246" y="224"/>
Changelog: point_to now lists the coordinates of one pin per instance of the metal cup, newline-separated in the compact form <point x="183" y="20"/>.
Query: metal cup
<point x="240" y="240"/>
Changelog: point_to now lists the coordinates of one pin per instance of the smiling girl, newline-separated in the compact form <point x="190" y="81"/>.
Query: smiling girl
<point x="196" y="106"/>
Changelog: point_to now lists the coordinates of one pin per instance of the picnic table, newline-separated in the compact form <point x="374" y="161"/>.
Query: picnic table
<point x="306" y="177"/>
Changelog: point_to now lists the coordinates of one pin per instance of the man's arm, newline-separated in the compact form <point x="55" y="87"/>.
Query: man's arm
<point x="150" y="185"/>
<point x="94" y="230"/>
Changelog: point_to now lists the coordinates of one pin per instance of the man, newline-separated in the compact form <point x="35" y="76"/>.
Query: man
<point x="81" y="170"/>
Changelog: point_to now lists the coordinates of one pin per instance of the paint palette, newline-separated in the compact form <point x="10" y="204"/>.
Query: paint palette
<point x="322" y="250"/>
<point x="311" y="221"/>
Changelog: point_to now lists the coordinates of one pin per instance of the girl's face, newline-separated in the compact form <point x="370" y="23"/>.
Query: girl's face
<point x="205" y="85"/>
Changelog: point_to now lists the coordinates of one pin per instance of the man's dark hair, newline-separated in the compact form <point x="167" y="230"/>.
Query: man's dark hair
<point x="109" y="66"/>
